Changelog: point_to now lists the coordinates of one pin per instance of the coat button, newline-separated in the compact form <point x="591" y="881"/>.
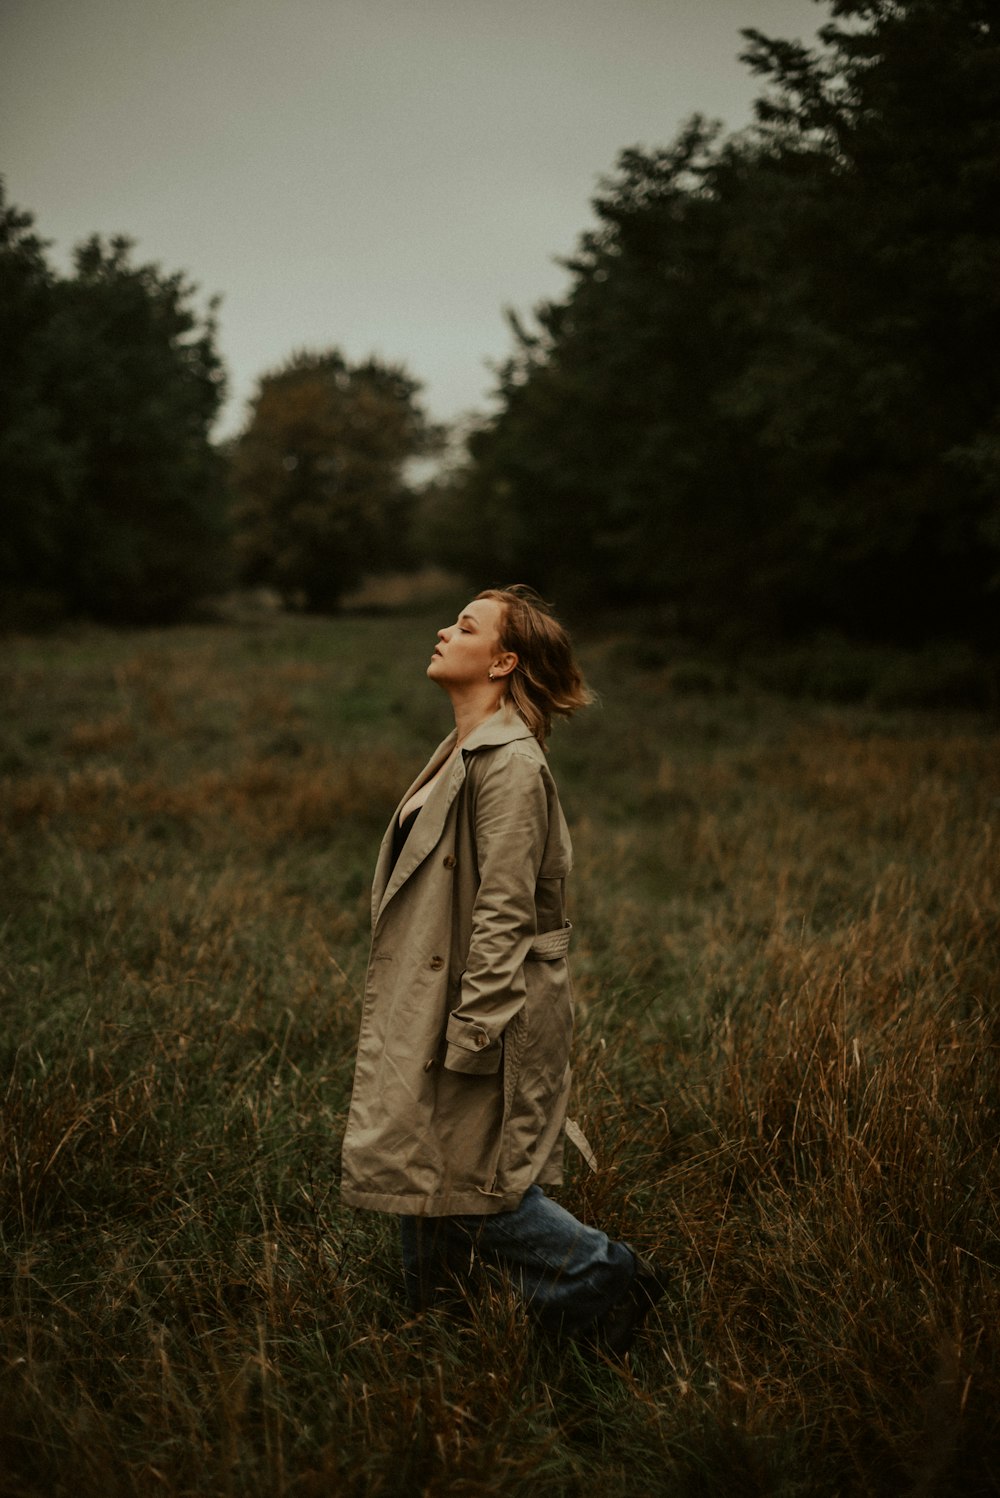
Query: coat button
<point x="437" y="963"/>
<point x="449" y="860"/>
<point x="482" y="1040"/>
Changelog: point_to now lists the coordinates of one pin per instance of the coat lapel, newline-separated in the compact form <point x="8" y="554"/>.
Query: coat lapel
<point x="426" y="831"/>
<point x="504" y="726"/>
<point x="384" y="875"/>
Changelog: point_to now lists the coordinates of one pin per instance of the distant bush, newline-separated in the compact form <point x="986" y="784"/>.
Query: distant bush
<point x="947" y="675"/>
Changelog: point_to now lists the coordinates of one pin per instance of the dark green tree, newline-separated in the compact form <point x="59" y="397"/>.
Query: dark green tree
<point x="113" y="494"/>
<point x="319" y="475"/>
<point x="771" y="395"/>
<point x="611" y="470"/>
<point x="36" y="465"/>
<point x="894" y="418"/>
<point x="140" y="384"/>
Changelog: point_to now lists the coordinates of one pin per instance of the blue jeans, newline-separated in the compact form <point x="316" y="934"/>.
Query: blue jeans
<point x="568" y="1274"/>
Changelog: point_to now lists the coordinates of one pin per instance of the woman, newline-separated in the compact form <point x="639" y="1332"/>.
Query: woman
<point x="458" y="1113"/>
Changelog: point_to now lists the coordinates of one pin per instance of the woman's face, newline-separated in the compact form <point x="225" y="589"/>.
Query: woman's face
<point x="468" y="648"/>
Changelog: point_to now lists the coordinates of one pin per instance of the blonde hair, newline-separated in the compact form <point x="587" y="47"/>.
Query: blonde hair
<point x="546" y="681"/>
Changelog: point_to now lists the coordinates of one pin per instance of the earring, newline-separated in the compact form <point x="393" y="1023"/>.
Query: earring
<point x="492" y="677"/>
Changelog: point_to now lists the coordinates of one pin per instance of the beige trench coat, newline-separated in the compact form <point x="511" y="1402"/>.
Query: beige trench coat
<point x="462" y="1072"/>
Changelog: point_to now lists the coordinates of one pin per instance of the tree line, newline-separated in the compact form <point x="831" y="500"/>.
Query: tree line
<point x="116" y="504"/>
<point x="769" y="400"/>
<point x="771" y="396"/>
<point x="109" y="382"/>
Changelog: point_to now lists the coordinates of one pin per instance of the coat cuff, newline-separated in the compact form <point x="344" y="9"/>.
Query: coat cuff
<point x="470" y="1048"/>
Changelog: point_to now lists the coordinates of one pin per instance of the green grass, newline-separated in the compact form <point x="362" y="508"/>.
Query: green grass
<point x="786" y="961"/>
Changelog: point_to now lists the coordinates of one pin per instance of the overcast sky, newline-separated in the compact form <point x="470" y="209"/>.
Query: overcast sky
<point x="383" y="175"/>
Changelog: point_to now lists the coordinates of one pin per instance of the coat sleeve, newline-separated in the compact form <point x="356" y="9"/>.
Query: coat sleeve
<point x="511" y="813"/>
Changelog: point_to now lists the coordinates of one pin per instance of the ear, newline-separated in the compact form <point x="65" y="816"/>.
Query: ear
<point x="503" y="665"/>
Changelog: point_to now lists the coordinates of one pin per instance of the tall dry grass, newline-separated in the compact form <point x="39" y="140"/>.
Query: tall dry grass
<point x="787" y="972"/>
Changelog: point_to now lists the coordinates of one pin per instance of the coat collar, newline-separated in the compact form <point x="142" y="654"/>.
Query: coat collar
<point x="504" y="727"/>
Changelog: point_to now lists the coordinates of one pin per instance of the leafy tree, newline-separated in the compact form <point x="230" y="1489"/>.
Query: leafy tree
<point x="36" y="465"/>
<point x="114" y="502"/>
<point x="319" y="475"/>
<point x="611" y="470"/>
<point x="140" y="384"/>
<point x="905" y="102"/>
<point x="771" y="395"/>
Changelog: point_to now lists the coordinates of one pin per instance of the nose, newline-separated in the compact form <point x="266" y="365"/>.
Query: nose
<point x="442" y="634"/>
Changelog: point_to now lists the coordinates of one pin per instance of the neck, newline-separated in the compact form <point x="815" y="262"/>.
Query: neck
<point x="474" y="708"/>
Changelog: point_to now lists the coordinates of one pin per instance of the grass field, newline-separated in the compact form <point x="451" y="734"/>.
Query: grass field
<point x="787" y="965"/>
